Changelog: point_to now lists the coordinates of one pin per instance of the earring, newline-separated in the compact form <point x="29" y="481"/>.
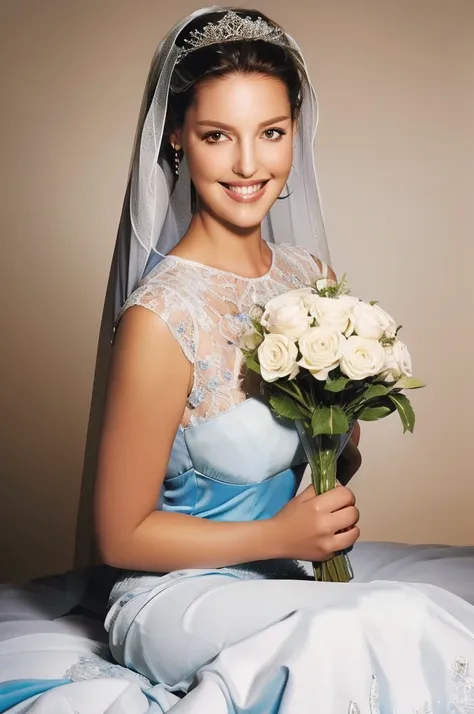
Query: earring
<point x="176" y="160"/>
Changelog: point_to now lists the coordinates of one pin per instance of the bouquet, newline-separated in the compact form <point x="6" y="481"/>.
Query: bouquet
<point x="326" y="360"/>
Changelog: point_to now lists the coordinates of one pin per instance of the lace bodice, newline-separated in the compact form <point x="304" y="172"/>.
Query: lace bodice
<point x="207" y="310"/>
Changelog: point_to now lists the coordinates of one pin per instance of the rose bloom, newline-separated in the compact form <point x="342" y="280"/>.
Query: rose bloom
<point x="250" y="340"/>
<point x="321" y="349"/>
<point x="397" y="361"/>
<point x="362" y="358"/>
<point x="286" y="315"/>
<point x="335" y="313"/>
<point x="372" y="322"/>
<point x="277" y="357"/>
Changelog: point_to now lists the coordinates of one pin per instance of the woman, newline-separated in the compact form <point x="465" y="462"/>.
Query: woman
<point x="197" y="480"/>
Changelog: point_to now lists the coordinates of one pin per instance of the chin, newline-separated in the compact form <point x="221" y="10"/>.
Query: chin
<point x="248" y="222"/>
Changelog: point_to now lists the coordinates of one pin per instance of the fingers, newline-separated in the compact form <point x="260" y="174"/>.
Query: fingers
<point x="345" y="518"/>
<point x="342" y="541"/>
<point x="337" y="498"/>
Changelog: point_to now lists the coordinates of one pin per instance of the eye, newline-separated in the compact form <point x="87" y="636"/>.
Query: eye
<point x="214" y="137"/>
<point x="274" y="134"/>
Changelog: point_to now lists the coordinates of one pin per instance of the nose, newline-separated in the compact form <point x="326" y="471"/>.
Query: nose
<point x="246" y="159"/>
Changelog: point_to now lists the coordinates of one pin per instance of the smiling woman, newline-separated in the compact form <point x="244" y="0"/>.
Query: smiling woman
<point x="197" y="486"/>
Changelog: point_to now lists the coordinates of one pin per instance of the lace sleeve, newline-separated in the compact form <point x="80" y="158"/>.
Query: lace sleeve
<point x="307" y="266"/>
<point x="167" y="304"/>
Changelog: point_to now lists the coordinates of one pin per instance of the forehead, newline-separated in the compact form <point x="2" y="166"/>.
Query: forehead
<point x="238" y="98"/>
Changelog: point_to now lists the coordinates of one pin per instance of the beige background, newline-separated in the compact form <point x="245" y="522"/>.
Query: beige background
<point x="396" y="158"/>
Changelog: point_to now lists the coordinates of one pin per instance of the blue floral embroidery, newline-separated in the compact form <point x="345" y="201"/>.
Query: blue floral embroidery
<point x="196" y="398"/>
<point x="213" y="383"/>
<point x="203" y="364"/>
<point x="180" y="329"/>
<point x="227" y="375"/>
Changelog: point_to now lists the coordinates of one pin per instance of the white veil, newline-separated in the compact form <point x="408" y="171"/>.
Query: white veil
<point x="157" y="210"/>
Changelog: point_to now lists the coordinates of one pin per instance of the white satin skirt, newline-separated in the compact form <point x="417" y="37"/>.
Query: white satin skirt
<point x="397" y="640"/>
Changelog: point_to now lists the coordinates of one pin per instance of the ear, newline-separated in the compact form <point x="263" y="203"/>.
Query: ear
<point x="175" y="140"/>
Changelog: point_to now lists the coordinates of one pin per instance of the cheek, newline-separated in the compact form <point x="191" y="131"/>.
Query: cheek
<point x="278" y="159"/>
<point x="206" y="163"/>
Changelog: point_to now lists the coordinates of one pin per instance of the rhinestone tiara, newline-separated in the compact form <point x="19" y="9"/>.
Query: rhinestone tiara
<point x="230" y="28"/>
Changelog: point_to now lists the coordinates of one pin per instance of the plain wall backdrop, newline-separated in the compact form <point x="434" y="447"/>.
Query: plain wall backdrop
<point x="395" y="158"/>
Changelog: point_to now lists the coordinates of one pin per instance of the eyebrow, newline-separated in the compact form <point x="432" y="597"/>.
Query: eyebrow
<point x="220" y="125"/>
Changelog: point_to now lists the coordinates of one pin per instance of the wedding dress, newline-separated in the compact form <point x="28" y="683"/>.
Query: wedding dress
<point x="264" y="637"/>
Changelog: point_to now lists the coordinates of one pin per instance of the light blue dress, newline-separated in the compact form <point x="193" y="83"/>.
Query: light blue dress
<point x="264" y="637"/>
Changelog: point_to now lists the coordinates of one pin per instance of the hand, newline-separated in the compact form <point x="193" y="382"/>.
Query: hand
<point x="314" y="527"/>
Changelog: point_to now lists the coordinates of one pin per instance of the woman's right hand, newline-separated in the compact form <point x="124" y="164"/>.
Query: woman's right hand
<point x="314" y="528"/>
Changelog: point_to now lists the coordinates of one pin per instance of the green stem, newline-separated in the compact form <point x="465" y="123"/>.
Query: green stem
<point x="321" y="452"/>
<point x="295" y="396"/>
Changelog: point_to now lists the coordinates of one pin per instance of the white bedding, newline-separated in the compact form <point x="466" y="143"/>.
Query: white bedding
<point x="39" y="641"/>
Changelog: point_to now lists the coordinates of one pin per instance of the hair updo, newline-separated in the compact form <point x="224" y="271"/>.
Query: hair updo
<point x="236" y="57"/>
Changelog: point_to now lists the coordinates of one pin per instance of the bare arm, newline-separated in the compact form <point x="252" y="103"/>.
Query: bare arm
<point x="148" y="386"/>
<point x="147" y="392"/>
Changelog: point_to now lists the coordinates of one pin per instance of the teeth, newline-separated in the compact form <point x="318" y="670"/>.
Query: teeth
<point x="246" y="190"/>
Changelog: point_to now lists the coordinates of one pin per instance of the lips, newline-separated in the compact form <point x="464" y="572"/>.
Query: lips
<point x="245" y="192"/>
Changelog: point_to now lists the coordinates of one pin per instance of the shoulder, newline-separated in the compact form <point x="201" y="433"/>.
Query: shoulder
<point x="166" y="288"/>
<point x="169" y="294"/>
<point x="297" y="258"/>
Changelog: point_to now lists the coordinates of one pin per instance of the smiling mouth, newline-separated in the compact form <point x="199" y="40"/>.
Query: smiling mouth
<point x="245" y="190"/>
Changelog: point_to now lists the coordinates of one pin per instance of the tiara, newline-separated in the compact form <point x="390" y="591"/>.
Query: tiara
<point x="230" y="28"/>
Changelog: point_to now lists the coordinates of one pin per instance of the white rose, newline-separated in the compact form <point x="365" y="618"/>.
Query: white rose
<point x="250" y="340"/>
<point x="321" y="349"/>
<point x="362" y="358"/>
<point x="397" y="361"/>
<point x="372" y="322"/>
<point x="286" y="315"/>
<point x="335" y="313"/>
<point x="277" y="358"/>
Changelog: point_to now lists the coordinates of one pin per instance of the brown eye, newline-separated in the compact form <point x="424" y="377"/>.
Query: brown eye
<point x="273" y="134"/>
<point x="214" y="137"/>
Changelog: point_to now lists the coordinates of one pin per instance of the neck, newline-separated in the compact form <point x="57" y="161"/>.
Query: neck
<point x="225" y="247"/>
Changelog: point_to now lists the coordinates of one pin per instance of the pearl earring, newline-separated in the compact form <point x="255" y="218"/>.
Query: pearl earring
<point x="176" y="160"/>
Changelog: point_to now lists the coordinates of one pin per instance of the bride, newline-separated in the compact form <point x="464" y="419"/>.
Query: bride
<point x="196" y="496"/>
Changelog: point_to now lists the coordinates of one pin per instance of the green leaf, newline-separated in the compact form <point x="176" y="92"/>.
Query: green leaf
<point x="374" y="302"/>
<point x="405" y="410"/>
<point x="336" y="385"/>
<point x="375" y="413"/>
<point x="329" y="420"/>
<point x="252" y="363"/>
<point x="286" y="407"/>
<point x="376" y="390"/>
<point x="409" y="383"/>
